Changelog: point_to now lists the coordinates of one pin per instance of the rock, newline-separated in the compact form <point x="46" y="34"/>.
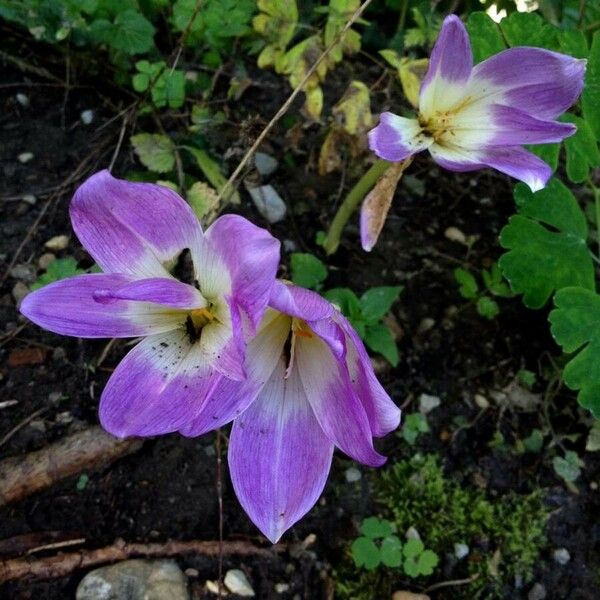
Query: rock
<point x="282" y="588"/>
<point x="412" y="534"/>
<point x="265" y="164"/>
<point x="454" y="234"/>
<point x="58" y="242"/>
<point x="23" y="272"/>
<point x="45" y="259"/>
<point x="192" y="572"/>
<point x="427" y="403"/>
<point x="537" y="592"/>
<point x="22" y="99"/>
<point x="213" y="588"/>
<point x="561" y="556"/>
<point x="29" y="199"/>
<point x="25" y="157"/>
<point x="521" y="398"/>
<point x="237" y="583"/>
<point x="19" y="291"/>
<point x="64" y="418"/>
<point x="87" y="116"/>
<point x="290" y="245"/>
<point x="461" y="550"/>
<point x="404" y="595"/>
<point x="352" y="475"/>
<point x="135" y="580"/>
<point x="481" y="401"/>
<point x="425" y="325"/>
<point x="268" y="203"/>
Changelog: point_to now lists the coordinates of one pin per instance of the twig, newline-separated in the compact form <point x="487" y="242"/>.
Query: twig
<point x="285" y="106"/>
<point x="451" y="583"/>
<point x="22" y="424"/>
<point x="120" y="140"/>
<point x="25" y="66"/>
<point x="57" y="545"/>
<point x="86" y="450"/>
<point x="61" y="565"/>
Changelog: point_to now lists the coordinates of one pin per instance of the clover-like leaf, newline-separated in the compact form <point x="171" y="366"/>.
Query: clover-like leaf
<point x="427" y="562"/>
<point x="155" y="151"/>
<point x="413" y="548"/>
<point x="569" y="467"/>
<point x="365" y="553"/>
<point x="391" y="551"/>
<point x="375" y="528"/>
<point x="575" y="325"/>
<point x="590" y="98"/>
<point x="546" y="244"/>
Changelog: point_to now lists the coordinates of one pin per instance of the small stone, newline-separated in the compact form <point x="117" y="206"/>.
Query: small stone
<point x="213" y="588"/>
<point x="405" y="595"/>
<point x="561" y="556"/>
<point x="290" y="246"/>
<point x="425" y="325"/>
<point x="192" y="572"/>
<point x="25" y="157"/>
<point x="58" y="242"/>
<point x="454" y="234"/>
<point x="427" y="403"/>
<point x="55" y="397"/>
<point x="45" y="259"/>
<point x="412" y="534"/>
<point x="268" y="203"/>
<point x="282" y="588"/>
<point x="352" y="475"/>
<point x="19" y="291"/>
<point x="38" y="425"/>
<point x="135" y="579"/>
<point x="29" y="199"/>
<point x="22" y="99"/>
<point x="64" y="418"/>
<point x="237" y="583"/>
<point x="461" y="550"/>
<point x="481" y="401"/>
<point x="537" y="592"/>
<point x="210" y="450"/>
<point x="23" y="272"/>
<point x="265" y="164"/>
<point x="86" y="116"/>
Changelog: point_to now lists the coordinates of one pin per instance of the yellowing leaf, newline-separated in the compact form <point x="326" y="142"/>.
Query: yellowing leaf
<point x="204" y="200"/>
<point x="277" y="23"/>
<point x="353" y="111"/>
<point x="330" y="156"/>
<point x="155" y="151"/>
<point x="299" y="59"/>
<point x="410" y="73"/>
<point x="314" y="102"/>
<point x="340" y="12"/>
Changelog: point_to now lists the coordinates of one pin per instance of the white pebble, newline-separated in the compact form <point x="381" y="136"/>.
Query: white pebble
<point x="237" y="583"/>
<point x="461" y="550"/>
<point x="23" y="100"/>
<point x="87" y="116"/>
<point x="25" y="157"/>
<point x="427" y="403"/>
<point x="561" y="556"/>
<point x="58" y="242"/>
<point x="352" y="475"/>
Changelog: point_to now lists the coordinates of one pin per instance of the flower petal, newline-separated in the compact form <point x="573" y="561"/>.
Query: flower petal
<point x="69" y="307"/>
<point x="449" y="70"/>
<point x="133" y="228"/>
<point x="230" y="398"/>
<point x="337" y="407"/>
<point x="279" y="457"/>
<point x="397" y="138"/>
<point x="240" y="260"/>
<point x="299" y="302"/>
<point x="537" y="81"/>
<point x="158" y="387"/>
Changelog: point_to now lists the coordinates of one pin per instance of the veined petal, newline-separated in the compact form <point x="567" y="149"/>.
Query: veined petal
<point x="336" y="406"/>
<point x="230" y="398"/>
<point x="279" y="457"/>
<point x="240" y="260"/>
<point x="158" y="387"/>
<point x="299" y="302"/>
<point x="537" y="81"/>
<point x="69" y="307"/>
<point x="383" y="414"/>
<point x="397" y="138"/>
<point x="132" y="228"/>
<point x="449" y="70"/>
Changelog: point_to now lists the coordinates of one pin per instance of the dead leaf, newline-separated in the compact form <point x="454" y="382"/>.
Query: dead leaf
<point x="22" y="357"/>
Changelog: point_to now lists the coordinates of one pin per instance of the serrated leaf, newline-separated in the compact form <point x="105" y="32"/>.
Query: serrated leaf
<point x="365" y="553"/>
<point x="204" y="200"/>
<point x="573" y="42"/>
<point x="575" y="325"/>
<point x="379" y="338"/>
<point x="581" y="148"/>
<point x="130" y="32"/>
<point x="212" y="172"/>
<point x="529" y="29"/>
<point x="468" y="284"/>
<point x="590" y="98"/>
<point x="391" y="551"/>
<point x="546" y="243"/>
<point x="486" y="38"/>
<point x="377" y="302"/>
<point x="155" y="151"/>
<point x="307" y="270"/>
<point x="375" y="528"/>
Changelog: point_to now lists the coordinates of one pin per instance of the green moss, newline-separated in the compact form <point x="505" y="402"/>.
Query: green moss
<point x="505" y="534"/>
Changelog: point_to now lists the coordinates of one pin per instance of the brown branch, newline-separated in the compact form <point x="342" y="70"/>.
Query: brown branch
<point x="86" y="450"/>
<point x="61" y="565"/>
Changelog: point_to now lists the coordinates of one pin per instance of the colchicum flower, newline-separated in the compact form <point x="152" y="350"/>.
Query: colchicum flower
<point x="472" y="117"/>
<point x="194" y="342"/>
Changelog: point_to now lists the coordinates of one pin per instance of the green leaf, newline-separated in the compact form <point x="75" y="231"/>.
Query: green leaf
<point x="468" y="284"/>
<point x="427" y="562"/>
<point x="140" y="82"/>
<point x="569" y="467"/>
<point x="375" y="528"/>
<point x="391" y="551"/>
<point x="549" y="153"/>
<point x="212" y="172"/>
<point x="495" y="283"/>
<point x="203" y="199"/>
<point x="529" y="29"/>
<point x="546" y="243"/>
<point x="82" y="482"/>
<point x="58" y="269"/>
<point x="174" y="88"/>
<point x="411" y="568"/>
<point x="573" y="42"/>
<point x="346" y="300"/>
<point x="590" y="98"/>
<point x="130" y="32"/>
<point x="487" y="307"/>
<point x="575" y="325"/>
<point x="582" y="150"/>
<point x="413" y="548"/>
<point x="377" y="302"/>
<point x="414" y="425"/>
<point x="155" y="151"/>
<point x="534" y="441"/>
<point x="307" y="270"/>
<point x="527" y="378"/>
<point x="379" y="338"/>
<point x="593" y="440"/>
<point x="485" y="35"/>
<point x="365" y="553"/>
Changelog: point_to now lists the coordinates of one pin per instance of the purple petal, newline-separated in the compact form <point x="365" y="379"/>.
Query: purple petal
<point x="396" y="138"/>
<point x="383" y="414"/>
<point x="158" y="387"/>
<point x="230" y="398"/>
<point x="133" y="228"/>
<point x="239" y="259"/>
<point x="69" y="307"/>
<point x="337" y="407"/>
<point x="279" y="457"/>
<point x="298" y="302"/>
<point x="537" y="81"/>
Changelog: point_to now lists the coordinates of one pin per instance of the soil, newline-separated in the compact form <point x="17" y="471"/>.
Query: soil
<point x="447" y="349"/>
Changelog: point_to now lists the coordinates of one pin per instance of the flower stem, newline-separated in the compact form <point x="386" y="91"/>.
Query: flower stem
<point x="351" y="202"/>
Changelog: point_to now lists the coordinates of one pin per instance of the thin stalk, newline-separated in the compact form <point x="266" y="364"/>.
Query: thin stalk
<point x="351" y="202"/>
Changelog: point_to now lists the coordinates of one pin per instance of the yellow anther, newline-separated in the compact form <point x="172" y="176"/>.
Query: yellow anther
<point x="201" y="317"/>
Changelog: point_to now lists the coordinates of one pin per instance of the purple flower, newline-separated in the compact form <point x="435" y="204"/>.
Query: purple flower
<point x="471" y="117"/>
<point x="315" y="389"/>
<point x="195" y="331"/>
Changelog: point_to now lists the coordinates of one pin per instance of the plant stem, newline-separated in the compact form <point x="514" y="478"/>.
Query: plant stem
<point x="351" y="202"/>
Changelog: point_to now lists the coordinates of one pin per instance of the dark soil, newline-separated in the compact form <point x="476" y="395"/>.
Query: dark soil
<point x="167" y="489"/>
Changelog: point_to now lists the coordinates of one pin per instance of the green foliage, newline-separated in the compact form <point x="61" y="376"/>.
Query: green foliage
<point x="307" y="270"/>
<point x="277" y="24"/>
<point x="155" y="151"/>
<point x="417" y="560"/>
<point x="414" y="425"/>
<point x="575" y="325"/>
<point x="581" y="150"/>
<point x="365" y="315"/>
<point x="60" y="268"/>
<point x="546" y="244"/>
<point x="82" y="482"/>
<point x="485" y="35"/>
<point x="468" y="284"/>
<point x="590" y="99"/>
<point x="426" y="30"/>
<point x="569" y="467"/>
<point x="129" y="32"/>
<point x="168" y="85"/>
<point x="493" y="282"/>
